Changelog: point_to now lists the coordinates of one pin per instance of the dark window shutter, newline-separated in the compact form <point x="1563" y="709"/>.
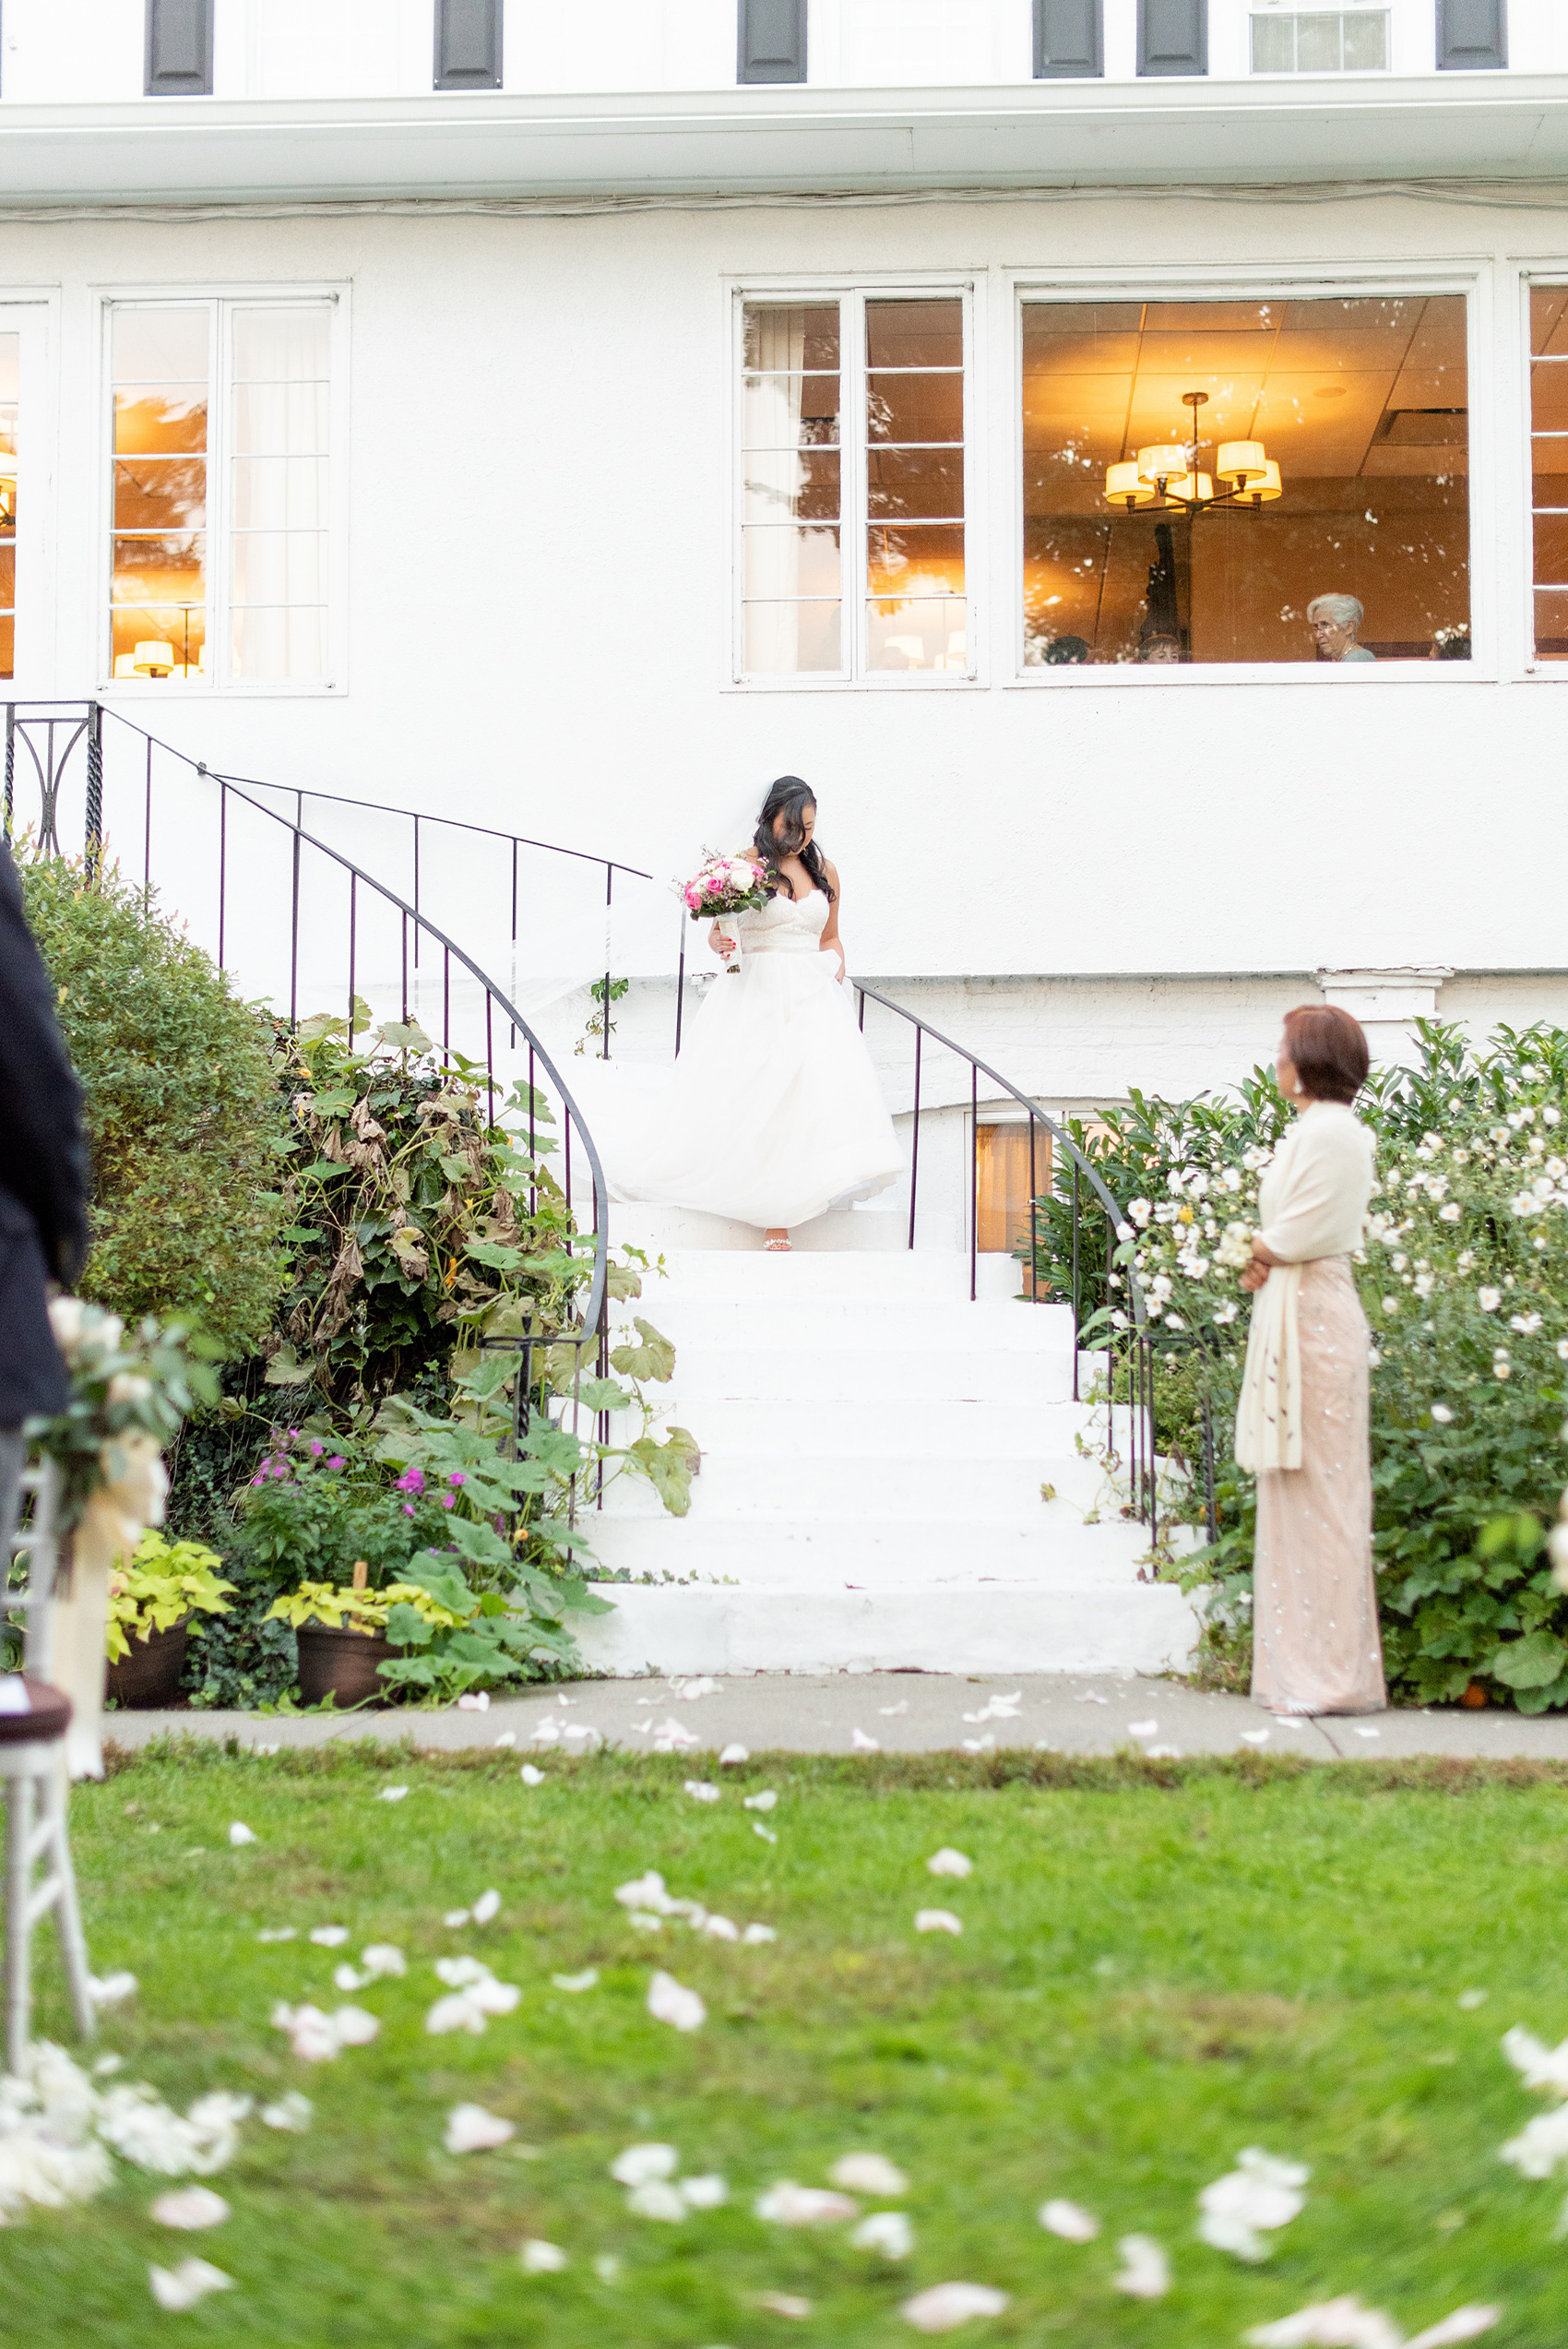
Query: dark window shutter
<point x="1472" y="34"/>
<point x="1067" y="39"/>
<point x="467" y="45"/>
<point x="179" y="48"/>
<point x="1173" y="36"/>
<point x="773" y="41"/>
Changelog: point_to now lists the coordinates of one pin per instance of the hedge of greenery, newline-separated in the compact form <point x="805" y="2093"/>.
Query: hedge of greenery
<point x="1464" y="1281"/>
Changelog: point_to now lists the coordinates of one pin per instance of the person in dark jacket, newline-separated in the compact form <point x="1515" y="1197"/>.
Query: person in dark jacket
<point x="43" y="1186"/>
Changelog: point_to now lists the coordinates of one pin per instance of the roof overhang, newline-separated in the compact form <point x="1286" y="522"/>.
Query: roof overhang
<point x="779" y="141"/>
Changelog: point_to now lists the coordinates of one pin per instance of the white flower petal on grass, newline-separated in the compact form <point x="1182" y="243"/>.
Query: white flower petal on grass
<point x="669" y="2001"/>
<point x="279" y="1933"/>
<point x="472" y="1701"/>
<point x="755" y="1933"/>
<point x="763" y="1802"/>
<point x="1541" y="2145"/>
<point x="1262" y="2192"/>
<point x="720" y="1929"/>
<point x="644" y="1921"/>
<point x="486" y="1907"/>
<point x="384" y="1957"/>
<point x="871" y="2174"/>
<point x="356" y="2026"/>
<point x="1471" y="1999"/>
<point x="672" y="1736"/>
<point x="703" y="1685"/>
<point x="734" y="1753"/>
<point x="391" y="1794"/>
<point x="937" y="1921"/>
<point x="348" y="1977"/>
<point x="587" y="1980"/>
<point x="885" y="2232"/>
<point x="293" y="2112"/>
<point x="640" y="2162"/>
<point x="1068" y="2219"/>
<point x="701" y="1791"/>
<point x="947" y="2306"/>
<point x="708" y="2192"/>
<point x="454" y="1919"/>
<point x="240" y="1833"/>
<point x="1465" y="2324"/>
<point x="538" y="2257"/>
<point x="783" y="2304"/>
<point x="530" y="1776"/>
<point x="182" y="2286"/>
<point x="330" y="1936"/>
<point x="109" y="1990"/>
<point x="607" y="2268"/>
<point x="947" y="1861"/>
<point x="311" y="2035"/>
<point x="1144" y="2274"/>
<point x="1346" y="2324"/>
<point x="470" y="2129"/>
<point x="787" y="2204"/>
<point x="766" y="1833"/>
<point x="657" y="2199"/>
<point x="647" y="1892"/>
<point x="492" y="1998"/>
<point x="861" y="1744"/>
<point x="190" y="2208"/>
<point x="458" y="2012"/>
<point x="1537" y="2065"/>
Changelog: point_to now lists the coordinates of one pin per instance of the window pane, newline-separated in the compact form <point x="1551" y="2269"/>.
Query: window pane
<point x="280" y="420"/>
<point x="159" y="493"/>
<point x="7" y="574"/>
<point x="280" y="492"/>
<point x="784" y="640"/>
<point x="791" y="485"/>
<point x="158" y="570"/>
<point x="790" y="411"/>
<point x="1548" y="319"/>
<point x="1551" y="549"/>
<point x="1273" y="44"/>
<point x="916" y="481"/>
<point x="915" y="334"/>
<point x="1548" y="395"/>
<point x="282" y="346"/>
<point x="1317" y="45"/>
<point x="1366" y="43"/>
<point x="925" y="633"/>
<point x="7" y="644"/>
<point x="1361" y="403"/>
<point x="789" y="335"/>
<point x="280" y="643"/>
<point x="181" y="626"/>
<point x="906" y="407"/>
<point x="1003" y="1162"/>
<point x="781" y="562"/>
<point x="1552" y="624"/>
<point x="162" y="346"/>
<point x="916" y="560"/>
<point x="279" y="567"/>
<point x="152" y="421"/>
<point x="1548" y="449"/>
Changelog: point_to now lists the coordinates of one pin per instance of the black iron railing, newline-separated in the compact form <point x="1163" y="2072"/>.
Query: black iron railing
<point x="1128" y="1354"/>
<point x="296" y="922"/>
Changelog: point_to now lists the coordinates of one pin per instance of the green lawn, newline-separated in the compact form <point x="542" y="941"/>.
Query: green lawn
<point x="1160" y="1965"/>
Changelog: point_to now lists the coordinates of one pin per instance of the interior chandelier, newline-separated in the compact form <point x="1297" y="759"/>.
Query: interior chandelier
<point x="1166" y="475"/>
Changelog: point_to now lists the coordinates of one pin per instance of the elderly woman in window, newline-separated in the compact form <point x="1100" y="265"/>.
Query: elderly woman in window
<point x="1333" y="621"/>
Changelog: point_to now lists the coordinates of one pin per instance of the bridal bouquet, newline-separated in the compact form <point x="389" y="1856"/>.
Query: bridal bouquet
<point x="725" y="885"/>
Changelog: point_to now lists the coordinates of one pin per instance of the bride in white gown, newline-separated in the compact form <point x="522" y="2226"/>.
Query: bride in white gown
<point x="772" y="1113"/>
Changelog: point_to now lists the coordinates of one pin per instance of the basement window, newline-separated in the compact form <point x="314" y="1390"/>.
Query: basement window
<point x="1320" y="40"/>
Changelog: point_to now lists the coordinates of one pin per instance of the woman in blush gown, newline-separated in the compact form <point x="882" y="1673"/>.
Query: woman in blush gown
<point x="773" y="1111"/>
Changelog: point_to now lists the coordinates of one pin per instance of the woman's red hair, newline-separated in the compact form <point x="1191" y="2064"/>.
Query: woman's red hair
<point x="1329" y="1050"/>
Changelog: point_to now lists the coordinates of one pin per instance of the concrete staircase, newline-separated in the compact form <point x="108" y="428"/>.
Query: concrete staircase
<point x="873" y="1451"/>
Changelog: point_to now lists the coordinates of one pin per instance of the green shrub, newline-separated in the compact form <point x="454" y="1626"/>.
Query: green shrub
<point x="184" y="1109"/>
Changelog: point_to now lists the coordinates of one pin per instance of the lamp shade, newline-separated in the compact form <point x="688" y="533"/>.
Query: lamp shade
<point x="1125" y="486"/>
<point x="124" y="664"/>
<point x="153" y="659"/>
<point x="1163" y="461"/>
<point x="1195" y="488"/>
<point x="1269" y="487"/>
<point x="1241" y="461"/>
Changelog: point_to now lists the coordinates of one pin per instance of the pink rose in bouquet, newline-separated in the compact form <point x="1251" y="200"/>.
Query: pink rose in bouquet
<point x="723" y="885"/>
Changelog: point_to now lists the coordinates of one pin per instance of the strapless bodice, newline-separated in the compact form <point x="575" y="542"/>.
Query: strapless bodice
<point x="784" y="926"/>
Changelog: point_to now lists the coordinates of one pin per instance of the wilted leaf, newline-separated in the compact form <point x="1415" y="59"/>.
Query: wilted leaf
<point x="654" y="1359"/>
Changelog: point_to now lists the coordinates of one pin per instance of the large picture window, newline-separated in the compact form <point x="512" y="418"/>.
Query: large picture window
<point x="852" y="510"/>
<point x="1326" y="516"/>
<point x="218" y="494"/>
<point x="1549" y="467"/>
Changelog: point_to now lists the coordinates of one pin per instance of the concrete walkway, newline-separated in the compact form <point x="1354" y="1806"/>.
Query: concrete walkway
<point x="903" y="1712"/>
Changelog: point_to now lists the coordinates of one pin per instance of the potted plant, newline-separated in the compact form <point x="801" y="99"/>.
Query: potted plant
<point x="343" y="1634"/>
<point x="151" y="1605"/>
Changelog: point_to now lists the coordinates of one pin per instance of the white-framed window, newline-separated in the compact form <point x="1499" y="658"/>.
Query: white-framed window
<point x="852" y="557"/>
<point x="1320" y="41"/>
<point x="220" y="554"/>
<point x="26" y="532"/>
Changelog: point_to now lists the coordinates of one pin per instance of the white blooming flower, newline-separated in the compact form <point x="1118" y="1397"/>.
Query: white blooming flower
<point x="1441" y="1413"/>
<point x="1140" y="1210"/>
<point x="1451" y="1213"/>
<point x="1527" y="1324"/>
<point x="1551" y="1116"/>
<point x="1261" y="2193"/>
<point x="1424" y="1284"/>
<point x="1489" y="1299"/>
<point x="1525" y="1204"/>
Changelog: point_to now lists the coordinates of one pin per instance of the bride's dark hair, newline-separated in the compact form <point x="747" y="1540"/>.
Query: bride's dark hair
<point x="787" y="797"/>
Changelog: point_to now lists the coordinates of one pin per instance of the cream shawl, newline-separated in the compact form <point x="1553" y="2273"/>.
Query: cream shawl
<point x="1313" y="1203"/>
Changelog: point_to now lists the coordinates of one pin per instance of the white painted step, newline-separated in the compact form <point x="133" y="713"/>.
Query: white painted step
<point x="915" y="1428"/>
<point x="1051" y="1545"/>
<point x="1067" y="1626"/>
<point x="808" y="1374"/>
<point x="790" y="1482"/>
<point x="895" y="1278"/>
<point x="877" y="1226"/>
<point x="918" y="1325"/>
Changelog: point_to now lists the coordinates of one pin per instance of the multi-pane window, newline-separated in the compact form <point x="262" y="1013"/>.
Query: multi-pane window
<point x="1320" y="40"/>
<point x="852" y="487"/>
<point x="10" y="366"/>
<point x="220" y="463"/>
<point x="1549" y="467"/>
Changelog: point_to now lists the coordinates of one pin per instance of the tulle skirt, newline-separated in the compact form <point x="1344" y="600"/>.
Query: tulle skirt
<point x="773" y="1111"/>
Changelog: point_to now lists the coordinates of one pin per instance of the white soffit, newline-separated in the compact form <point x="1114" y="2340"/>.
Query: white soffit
<point x="1443" y="126"/>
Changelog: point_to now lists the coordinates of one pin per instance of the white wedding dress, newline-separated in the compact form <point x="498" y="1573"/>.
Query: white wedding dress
<point x="773" y="1113"/>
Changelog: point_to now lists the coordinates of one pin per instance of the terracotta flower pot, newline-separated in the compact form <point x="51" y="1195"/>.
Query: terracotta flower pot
<point x="149" y="1678"/>
<point x="341" y="1664"/>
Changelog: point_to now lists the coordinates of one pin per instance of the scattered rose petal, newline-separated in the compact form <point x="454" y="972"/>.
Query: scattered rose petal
<point x="348" y="1977"/>
<point x="755" y="1933"/>
<point x="182" y="2286"/>
<point x="1539" y="2066"/>
<point x="1144" y="2274"/>
<point x="453" y="1919"/>
<point x="507" y="1738"/>
<point x="708" y="2192"/>
<point x="690" y="1690"/>
<point x="644" y="1921"/>
<point x="787" y="2204"/>
<point x="1254" y="1736"/>
<point x="293" y="2112"/>
<point x="735" y="1754"/>
<point x="1260" y="2194"/>
<point x="720" y="1929"/>
<point x="888" y="2231"/>
<point x="639" y="2163"/>
<point x="657" y="2199"/>
<point x="701" y="1791"/>
<point x="891" y="1712"/>
<point x="470" y="2129"/>
<point x="1073" y="2224"/>
<point x="607" y="2268"/>
<point x="487" y="1906"/>
<point x="112" y="1988"/>
<point x="937" y="1921"/>
<point x="1471" y="1999"/>
<point x="192" y="2207"/>
<point x="383" y="1957"/>
<point x="587" y="1980"/>
<point x="766" y="1833"/>
<point x="268" y="1749"/>
<point x="1367" y="1733"/>
<point x="871" y="2174"/>
<point x="330" y="1936"/>
<point x="1142" y="1728"/>
<point x="458" y="1972"/>
<point x="240" y="1833"/>
<point x="356" y="2027"/>
<point x="1090" y="1697"/>
<point x="1346" y="2324"/>
<point x="998" y="1709"/>
<point x="470" y="1702"/>
<point x="669" y="2001"/>
<point x="542" y="2259"/>
<point x="986" y="1744"/>
<point x="530" y="1776"/>
<point x="1163" y="1753"/>
<point x="783" y="2304"/>
<point x="763" y="1802"/>
<point x="947" y="1861"/>
<point x="456" y="2012"/>
<point x="648" y="1892"/>
<point x="279" y="1933"/>
<point x="861" y="1744"/>
<point x="947" y="2306"/>
<point x="391" y="1794"/>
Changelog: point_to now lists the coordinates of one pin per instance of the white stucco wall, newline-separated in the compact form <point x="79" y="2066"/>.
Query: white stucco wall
<point x="537" y="579"/>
